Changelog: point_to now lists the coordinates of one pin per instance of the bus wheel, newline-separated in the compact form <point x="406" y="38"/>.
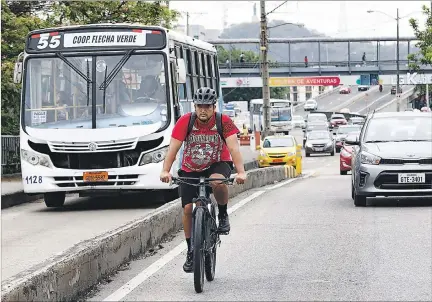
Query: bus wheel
<point x="54" y="199"/>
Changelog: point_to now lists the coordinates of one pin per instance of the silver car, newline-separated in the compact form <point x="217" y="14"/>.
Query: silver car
<point x="319" y="142"/>
<point x="393" y="156"/>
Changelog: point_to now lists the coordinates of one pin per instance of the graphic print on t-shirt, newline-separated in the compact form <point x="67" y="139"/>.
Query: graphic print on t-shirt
<point x="203" y="147"/>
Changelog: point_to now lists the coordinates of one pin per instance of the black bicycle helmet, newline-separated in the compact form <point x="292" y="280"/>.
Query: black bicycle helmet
<point x="205" y="96"/>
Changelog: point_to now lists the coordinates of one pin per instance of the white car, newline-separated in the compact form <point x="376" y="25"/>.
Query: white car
<point x="310" y="105"/>
<point x="298" y="122"/>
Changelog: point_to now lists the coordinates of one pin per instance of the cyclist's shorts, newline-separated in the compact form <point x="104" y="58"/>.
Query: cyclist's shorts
<point x="188" y="192"/>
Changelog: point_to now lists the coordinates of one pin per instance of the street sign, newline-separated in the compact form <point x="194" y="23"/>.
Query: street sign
<point x="304" y="81"/>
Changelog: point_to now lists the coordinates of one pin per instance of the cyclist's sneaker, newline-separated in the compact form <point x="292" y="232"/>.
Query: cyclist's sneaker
<point x="188" y="265"/>
<point x="224" y="225"/>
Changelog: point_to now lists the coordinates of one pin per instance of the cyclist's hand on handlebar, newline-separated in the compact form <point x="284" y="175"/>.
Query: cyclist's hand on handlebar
<point x="240" y="178"/>
<point x="165" y="176"/>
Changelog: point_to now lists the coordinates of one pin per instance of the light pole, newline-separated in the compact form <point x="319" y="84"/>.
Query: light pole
<point x="397" y="51"/>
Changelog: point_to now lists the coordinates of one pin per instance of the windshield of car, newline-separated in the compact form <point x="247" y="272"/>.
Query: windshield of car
<point x="310" y="102"/>
<point x="278" y="142"/>
<point x="352" y="137"/>
<point x="345" y="130"/>
<point x="399" y="128"/>
<point x="337" y="117"/>
<point x="58" y="95"/>
<point x="316" y="117"/>
<point x="316" y="127"/>
<point x="318" y="135"/>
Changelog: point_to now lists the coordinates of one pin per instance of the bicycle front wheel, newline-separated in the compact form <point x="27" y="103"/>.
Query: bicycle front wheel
<point x="198" y="249"/>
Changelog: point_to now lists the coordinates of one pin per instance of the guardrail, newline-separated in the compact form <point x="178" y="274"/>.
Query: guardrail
<point x="314" y="64"/>
<point x="10" y="154"/>
<point x="405" y="99"/>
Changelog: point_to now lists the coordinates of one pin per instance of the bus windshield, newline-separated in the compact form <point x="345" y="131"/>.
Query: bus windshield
<point x="282" y="114"/>
<point x="58" y="91"/>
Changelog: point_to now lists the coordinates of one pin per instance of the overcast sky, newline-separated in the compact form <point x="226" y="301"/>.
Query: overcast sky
<point x="324" y="16"/>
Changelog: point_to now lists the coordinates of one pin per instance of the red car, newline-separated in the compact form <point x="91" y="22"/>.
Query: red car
<point x="337" y="119"/>
<point x="345" y="90"/>
<point x="345" y="155"/>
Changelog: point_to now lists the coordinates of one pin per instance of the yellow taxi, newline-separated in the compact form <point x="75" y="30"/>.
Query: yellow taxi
<point x="277" y="150"/>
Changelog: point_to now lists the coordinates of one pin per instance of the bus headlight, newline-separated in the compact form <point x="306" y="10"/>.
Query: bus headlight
<point x="154" y="156"/>
<point x="35" y="159"/>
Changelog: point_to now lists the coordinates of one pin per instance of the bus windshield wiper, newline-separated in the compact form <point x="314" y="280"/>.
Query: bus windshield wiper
<point x="108" y="79"/>
<point x="79" y="72"/>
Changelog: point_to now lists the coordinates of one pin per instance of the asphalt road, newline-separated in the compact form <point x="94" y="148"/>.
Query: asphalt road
<point x="335" y="101"/>
<point x="304" y="241"/>
<point x="32" y="233"/>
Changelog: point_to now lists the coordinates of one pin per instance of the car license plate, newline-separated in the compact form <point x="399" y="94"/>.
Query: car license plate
<point x="407" y="178"/>
<point x="277" y="160"/>
<point x="96" y="176"/>
<point x="319" y="149"/>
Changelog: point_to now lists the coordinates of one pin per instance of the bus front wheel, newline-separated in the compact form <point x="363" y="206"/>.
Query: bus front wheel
<point x="54" y="199"/>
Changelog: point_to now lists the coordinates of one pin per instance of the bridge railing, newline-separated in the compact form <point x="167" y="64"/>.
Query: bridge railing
<point x="233" y="65"/>
<point x="10" y="154"/>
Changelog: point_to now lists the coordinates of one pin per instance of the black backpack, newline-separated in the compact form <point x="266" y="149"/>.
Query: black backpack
<point x="218" y="124"/>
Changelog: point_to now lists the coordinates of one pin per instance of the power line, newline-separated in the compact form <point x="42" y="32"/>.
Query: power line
<point x="276" y="8"/>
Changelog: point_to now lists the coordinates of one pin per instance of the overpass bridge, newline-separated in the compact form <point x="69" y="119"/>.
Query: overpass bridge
<point x="319" y="67"/>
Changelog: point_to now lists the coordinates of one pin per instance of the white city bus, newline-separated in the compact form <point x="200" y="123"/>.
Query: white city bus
<point x="99" y="103"/>
<point x="281" y="115"/>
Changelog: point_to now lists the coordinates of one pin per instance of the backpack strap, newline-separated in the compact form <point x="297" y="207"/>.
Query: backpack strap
<point x="192" y="120"/>
<point x="219" y="125"/>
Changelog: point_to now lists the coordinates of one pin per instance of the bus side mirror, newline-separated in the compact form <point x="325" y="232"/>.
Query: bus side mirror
<point x="181" y="71"/>
<point x="17" y="73"/>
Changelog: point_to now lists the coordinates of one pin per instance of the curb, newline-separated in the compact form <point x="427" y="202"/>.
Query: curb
<point x="66" y="276"/>
<point x="17" y="198"/>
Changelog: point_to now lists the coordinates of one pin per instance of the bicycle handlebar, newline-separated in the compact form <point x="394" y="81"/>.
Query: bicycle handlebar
<point x="203" y="181"/>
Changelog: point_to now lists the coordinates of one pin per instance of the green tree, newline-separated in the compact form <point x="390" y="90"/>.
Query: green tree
<point x="87" y="12"/>
<point x="224" y="55"/>
<point x="15" y="23"/>
<point x="424" y="56"/>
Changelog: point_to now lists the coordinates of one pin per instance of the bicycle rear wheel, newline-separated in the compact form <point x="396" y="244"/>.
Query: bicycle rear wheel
<point x="198" y="249"/>
<point x="210" y="255"/>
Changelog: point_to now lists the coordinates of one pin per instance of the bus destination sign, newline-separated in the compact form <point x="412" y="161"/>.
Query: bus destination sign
<point x="72" y="41"/>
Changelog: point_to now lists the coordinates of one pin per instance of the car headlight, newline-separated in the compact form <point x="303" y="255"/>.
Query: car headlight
<point x="329" y="144"/>
<point x="291" y="153"/>
<point x="262" y="153"/>
<point x="35" y="158"/>
<point x="155" y="156"/>
<point x="369" y="158"/>
<point x="309" y="145"/>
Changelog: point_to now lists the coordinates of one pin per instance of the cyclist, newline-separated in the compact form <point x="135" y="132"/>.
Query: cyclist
<point x="207" y="154"/>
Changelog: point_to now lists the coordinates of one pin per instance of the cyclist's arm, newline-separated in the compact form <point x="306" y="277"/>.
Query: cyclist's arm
<point x="230" y="131"/>
<point x="173" y="149"/>
<point x="234" y="149"/>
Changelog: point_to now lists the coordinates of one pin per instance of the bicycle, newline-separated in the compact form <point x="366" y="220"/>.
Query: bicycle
<point x="205" y="234"/>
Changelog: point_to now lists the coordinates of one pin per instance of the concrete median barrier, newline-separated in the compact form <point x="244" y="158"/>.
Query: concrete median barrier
<point x="15" y="198"/>
<point x="67" y="276"/>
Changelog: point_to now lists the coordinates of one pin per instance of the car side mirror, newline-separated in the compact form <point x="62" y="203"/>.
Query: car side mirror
<point x="334" y="133"/>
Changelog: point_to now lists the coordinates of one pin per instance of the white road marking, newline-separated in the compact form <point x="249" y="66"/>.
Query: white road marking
<point x="165" y="259"/>
<point x="374" y="102"/>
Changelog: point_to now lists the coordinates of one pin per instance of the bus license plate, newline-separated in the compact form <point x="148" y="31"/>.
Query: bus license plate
<point x="96" y="176"/>
<point x="408" y="178"/>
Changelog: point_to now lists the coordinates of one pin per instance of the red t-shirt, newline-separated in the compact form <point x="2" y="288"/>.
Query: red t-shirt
<point x="204" y="146"/>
